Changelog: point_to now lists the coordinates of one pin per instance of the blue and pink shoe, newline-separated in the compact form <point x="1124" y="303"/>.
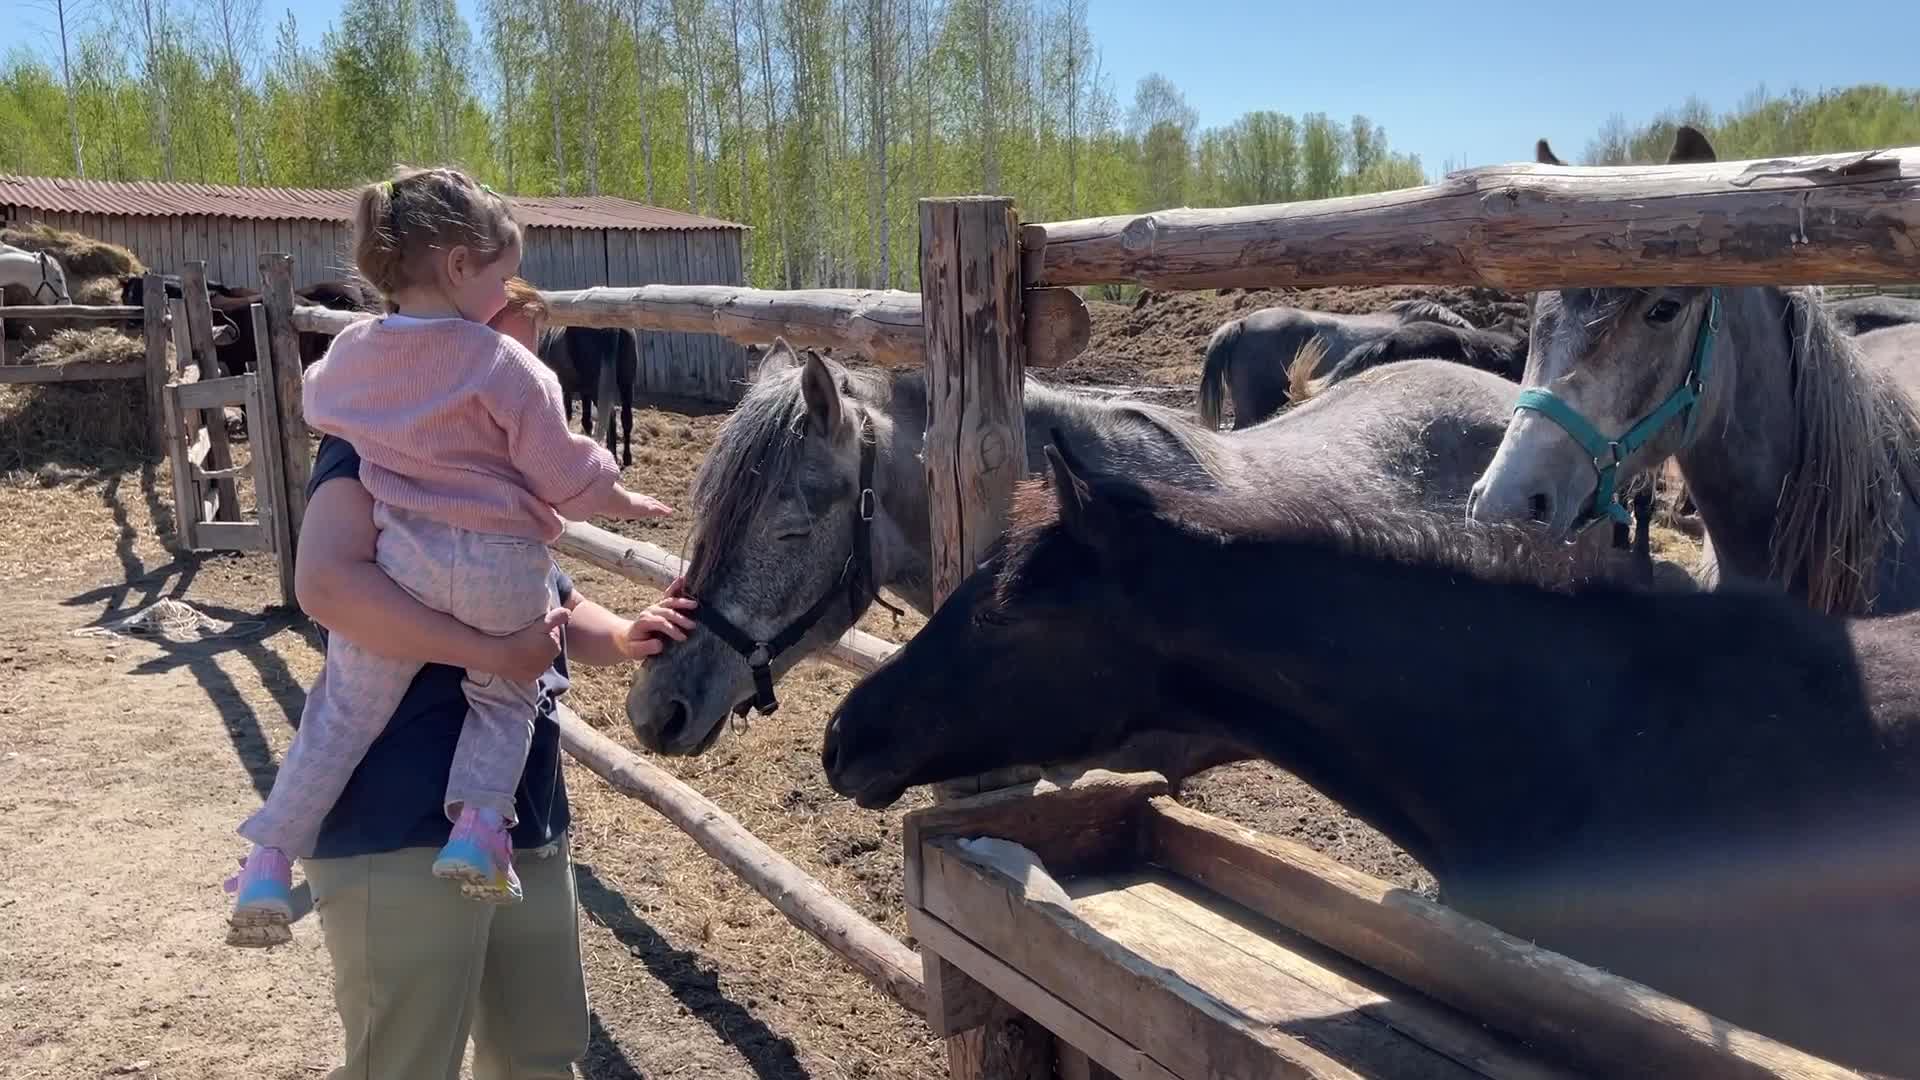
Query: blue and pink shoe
<point x="479" y="856"/>
<point x="262" y="915"/>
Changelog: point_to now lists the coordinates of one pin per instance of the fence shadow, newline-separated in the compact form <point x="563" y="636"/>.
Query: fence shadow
<point x="140" y="587"/>
<point x="770" y="1055"/>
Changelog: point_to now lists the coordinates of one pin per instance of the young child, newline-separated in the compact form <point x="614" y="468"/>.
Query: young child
<point x="464" y="447"/>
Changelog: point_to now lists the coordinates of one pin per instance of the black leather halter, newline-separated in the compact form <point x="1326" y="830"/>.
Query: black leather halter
<point x="46" y="281"/>
<point x="856" y="579"/>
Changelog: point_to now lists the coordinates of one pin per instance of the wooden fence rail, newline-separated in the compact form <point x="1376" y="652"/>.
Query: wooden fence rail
<point x="882" y="325"/>
<point x="1817" y="219"/>
<point x="886" y="962"/>
<point x="650" y="564"/>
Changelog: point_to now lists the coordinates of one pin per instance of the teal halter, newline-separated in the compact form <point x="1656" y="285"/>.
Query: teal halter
<point x="1607" y="454"/>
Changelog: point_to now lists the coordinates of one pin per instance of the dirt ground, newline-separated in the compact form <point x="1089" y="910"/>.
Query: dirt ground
<point x="126" y="762"/>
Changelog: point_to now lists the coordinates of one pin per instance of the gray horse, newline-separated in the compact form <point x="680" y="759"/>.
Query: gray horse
<point x="1865" y="314"/>
<point x="1249" y="356"/>
<point x="778" y="537"/>
<point x="1800" y="446"/>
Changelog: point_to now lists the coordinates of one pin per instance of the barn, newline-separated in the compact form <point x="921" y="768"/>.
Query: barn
<point x="571" y="242"/>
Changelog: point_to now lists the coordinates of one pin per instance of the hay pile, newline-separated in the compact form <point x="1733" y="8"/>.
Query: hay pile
<point x="88" y="424"/>
<point x="94" y="271"/>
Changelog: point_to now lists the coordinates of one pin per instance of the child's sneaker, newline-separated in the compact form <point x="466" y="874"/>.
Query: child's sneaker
<point x="262" y="914"/>
<point x="479" y="856"/>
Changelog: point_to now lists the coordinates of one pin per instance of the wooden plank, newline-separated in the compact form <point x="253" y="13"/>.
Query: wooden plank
<point x="186" y="499"/>
<point x="276" y="274"/>
<point x="650" y="564"/>
<point x="1073" y="1027"/>
<point x="269" y="454"/>
<point x="153" y="330"/>
<point x="1601" y="1019"/>
<point x="3" y="329"/>
<point x="955" y="1002"/>
<point x="1186" y="1029"/>
<point x="1071" y="1064"/>
<point x="889" y="965"/>
<point x="193" y="288"/>
<point x="93" y="312"/>
<point x="1280" y="978"/>
<point x="231" y="536"/>
<point x="84" y="371"/>
<point x="1814" y="219"/>
<point x="1078" y="824"/>
<point x="1464" y="1039"/>
<point x="1057" y="328"/>
<point x="216" y="394"/>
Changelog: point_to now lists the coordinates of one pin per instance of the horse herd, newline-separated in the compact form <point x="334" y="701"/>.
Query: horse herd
<point x="1389" y="587"/>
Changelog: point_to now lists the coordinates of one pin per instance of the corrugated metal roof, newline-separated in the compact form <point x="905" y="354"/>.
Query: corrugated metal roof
<point x="152" y="198"/>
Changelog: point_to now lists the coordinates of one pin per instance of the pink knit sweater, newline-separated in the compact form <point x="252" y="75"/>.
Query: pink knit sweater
<point x="461" y="424"/>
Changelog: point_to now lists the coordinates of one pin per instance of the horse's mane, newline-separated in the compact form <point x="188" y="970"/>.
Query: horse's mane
<point x="1428" y="311"/>
<point x="754" y="454"/>
<point x="1857" y="463"/>
<point x="1361" y="527"/>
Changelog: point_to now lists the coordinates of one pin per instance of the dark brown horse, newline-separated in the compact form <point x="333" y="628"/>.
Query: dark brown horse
<point x="1715" y="794"/>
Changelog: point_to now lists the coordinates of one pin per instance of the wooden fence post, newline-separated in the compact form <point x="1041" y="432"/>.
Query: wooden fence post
<point x="269" y="453"/>
<point x="276" y="274"/>
<point x="193" y="286"/>
<point x="976" y="448"/>
<point x="153" y="324"/>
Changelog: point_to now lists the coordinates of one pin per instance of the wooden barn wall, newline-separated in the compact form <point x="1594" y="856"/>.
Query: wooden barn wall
<point x="698" y="366"/>
<point x="321" y="250"/>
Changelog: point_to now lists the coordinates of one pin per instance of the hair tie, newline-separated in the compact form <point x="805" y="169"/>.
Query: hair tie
<point x="386" y="188"/>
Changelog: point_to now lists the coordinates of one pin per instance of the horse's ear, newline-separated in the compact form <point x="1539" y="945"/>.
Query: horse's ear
<point x="1069" y="490"/>
<point x="1689" y="145"/>
<point x="1544" y="154"/>
<point x="821" y="393"/>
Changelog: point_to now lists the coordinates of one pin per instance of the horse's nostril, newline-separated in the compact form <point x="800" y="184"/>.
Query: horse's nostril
<point x="676" y="724"/>
<point x="1542" y="507"/>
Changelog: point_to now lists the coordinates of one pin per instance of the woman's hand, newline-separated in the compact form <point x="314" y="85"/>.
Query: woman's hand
<point x="526" y="654"/>
<point x="648" y="634"/>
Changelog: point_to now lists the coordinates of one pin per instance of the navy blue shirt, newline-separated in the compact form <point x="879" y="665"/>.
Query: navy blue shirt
<point x="396" y="797"/>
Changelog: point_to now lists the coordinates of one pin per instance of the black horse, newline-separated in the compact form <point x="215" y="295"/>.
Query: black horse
<point x="1713" y="794"/>
<point x="582" y="356"/>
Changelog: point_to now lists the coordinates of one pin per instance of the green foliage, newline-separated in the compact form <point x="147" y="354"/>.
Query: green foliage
<point x="819" y="122"/>
<point x="1856" y="118"/>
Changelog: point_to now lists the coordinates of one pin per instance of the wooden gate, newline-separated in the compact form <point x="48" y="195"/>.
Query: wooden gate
<point x="205" y="495"/>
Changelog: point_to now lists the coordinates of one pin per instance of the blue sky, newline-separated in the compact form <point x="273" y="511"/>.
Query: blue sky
<point x="1479" y="83"/>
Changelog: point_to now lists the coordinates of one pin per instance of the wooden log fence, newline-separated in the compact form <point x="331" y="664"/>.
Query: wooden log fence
<point x="880" y="324"/>
<point x="884" y="960"/>
<point x="1815" y="219"/>
<point x="993" y="303"/>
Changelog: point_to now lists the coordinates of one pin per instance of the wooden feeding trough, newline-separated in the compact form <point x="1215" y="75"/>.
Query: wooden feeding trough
<point x="1190" y="947"/>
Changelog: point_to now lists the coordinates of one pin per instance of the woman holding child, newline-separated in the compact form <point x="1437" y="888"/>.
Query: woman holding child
<point x="423" y="792"/>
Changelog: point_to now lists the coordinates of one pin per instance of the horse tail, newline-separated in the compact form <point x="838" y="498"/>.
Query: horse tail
<point x="1213" y="374"/>
<point x="1301" y="385"/>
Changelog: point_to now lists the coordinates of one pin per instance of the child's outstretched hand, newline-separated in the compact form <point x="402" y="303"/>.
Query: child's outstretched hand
<point x="648" y="635"/>
<point x="632" y="504"/>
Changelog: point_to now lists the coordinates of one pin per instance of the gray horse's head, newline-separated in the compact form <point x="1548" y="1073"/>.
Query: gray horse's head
<point x="1612" y="356"/>
<point x="774" y="505"/>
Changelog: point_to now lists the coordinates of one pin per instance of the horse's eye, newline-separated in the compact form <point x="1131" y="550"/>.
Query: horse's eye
<point x="1663" y="312"/>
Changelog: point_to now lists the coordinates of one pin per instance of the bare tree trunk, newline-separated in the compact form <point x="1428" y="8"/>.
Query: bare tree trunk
<point x="596" y="77"/>
<point x="689" y="79"/>
<point x="990" y="158"/>
<point x="879" y="43"/>
<point x="73" y="107"/>
<point x="643" y="62"/>
<point x="1073" y="106"/>
<point x="773" y="156"/>
<point x="555" y="52"/>
<point x="740" y="111"/>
